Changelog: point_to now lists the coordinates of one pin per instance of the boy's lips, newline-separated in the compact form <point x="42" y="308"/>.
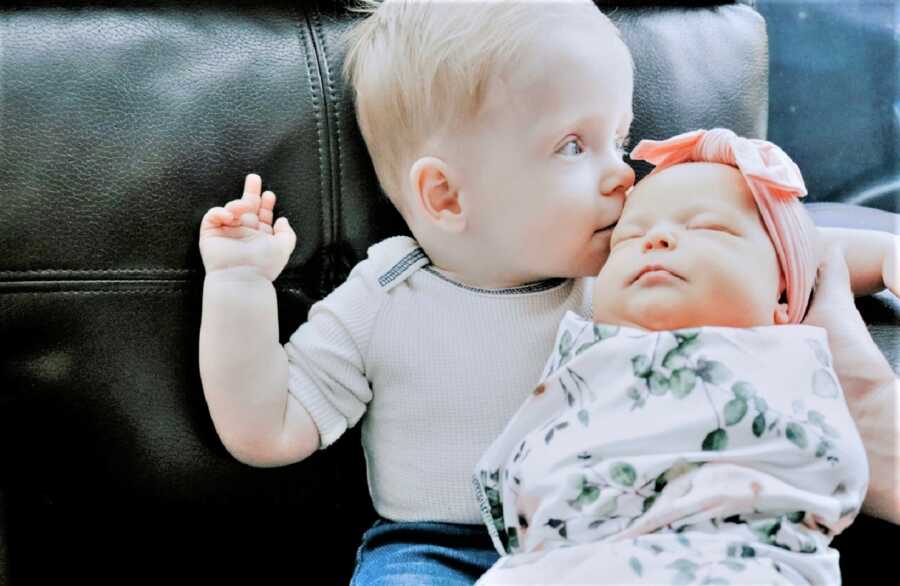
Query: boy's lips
<point x="610" y="227"/>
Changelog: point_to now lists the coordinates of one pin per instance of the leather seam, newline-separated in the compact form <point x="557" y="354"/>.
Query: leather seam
<point x="327" y="197"/>
<point x="337" y="158"/>
<point x="95" y="292"/>
<point x="307" y="35"/>
<point x="96" y="271"/>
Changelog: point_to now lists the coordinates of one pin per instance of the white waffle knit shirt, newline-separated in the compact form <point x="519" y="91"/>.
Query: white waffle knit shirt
<point x="436" y="368"/>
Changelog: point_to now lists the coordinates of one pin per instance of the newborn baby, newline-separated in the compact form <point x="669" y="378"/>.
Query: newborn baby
<point x="694" y="432"/>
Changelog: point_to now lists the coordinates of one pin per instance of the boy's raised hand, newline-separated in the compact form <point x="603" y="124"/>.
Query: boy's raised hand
<point x="241" y="234"/>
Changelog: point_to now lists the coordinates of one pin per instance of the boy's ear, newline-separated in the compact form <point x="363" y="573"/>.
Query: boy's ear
<point x="436" y="195"/>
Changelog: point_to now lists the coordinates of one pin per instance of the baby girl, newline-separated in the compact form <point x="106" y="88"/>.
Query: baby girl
<point x="694" y="431"/>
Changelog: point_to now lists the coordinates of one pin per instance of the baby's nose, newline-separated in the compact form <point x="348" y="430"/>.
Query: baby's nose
<point x="659" y="240"/>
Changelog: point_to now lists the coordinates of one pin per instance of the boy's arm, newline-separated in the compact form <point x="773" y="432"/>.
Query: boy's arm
<point x="244" y="371"/>
<point x="870" y="386"/>
<point x="871" y="257"/>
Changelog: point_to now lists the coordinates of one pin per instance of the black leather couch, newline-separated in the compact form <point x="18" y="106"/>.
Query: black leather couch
<point x="121" y="124"/>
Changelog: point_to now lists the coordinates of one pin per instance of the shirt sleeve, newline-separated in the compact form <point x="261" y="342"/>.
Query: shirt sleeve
<point x="326" y="354"/>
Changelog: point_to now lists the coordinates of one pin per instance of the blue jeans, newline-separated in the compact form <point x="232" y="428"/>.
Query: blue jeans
<point x="423" y="554"/>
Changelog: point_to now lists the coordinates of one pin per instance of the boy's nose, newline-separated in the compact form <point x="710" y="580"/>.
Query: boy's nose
<point x="619" y="178"/>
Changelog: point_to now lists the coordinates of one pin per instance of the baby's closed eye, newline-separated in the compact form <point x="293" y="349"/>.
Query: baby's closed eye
<point x="712" y="226"/>
<point x="713" y="222"/>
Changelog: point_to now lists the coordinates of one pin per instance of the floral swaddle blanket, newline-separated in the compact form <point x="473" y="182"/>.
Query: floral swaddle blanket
<point x="705" y="456"/>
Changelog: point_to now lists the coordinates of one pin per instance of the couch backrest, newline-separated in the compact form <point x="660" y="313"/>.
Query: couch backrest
<point x="121" y="124"/>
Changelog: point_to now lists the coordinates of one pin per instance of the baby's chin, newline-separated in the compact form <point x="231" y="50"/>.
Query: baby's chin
<point x="660" y="316"/>
<point x="655" y="321"/>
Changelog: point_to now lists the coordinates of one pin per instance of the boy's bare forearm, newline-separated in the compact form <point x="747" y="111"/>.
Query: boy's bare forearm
<point x="243" y="366"/>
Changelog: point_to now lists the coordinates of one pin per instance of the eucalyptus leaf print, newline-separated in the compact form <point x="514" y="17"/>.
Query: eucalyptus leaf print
<point x="713" y="372"/>
<point x="658" y="384"/>
<point x="635" y="565"/>
<point x="682" y="382"/>
<point x="623" y="473"/>
<point x="641" y="366"/>
<point x="735" y="410"/>
<point x="741" y="550"/>
<point x="716" y="440"/>
<point x="588" y="493"/>
<point x="759" y="425"/>
<point x="687" y="338"/>
<point x="631" y="438"/>
<point x="824" y="384"/>
<point x="796" y="434"/>
<point x="566" y="344"/>
<point x="584" y="347"/>
<point x="733" y="565"/>
<point x="634" y="393"/>
<point x="559" y="426"/>
<point x="760" y="403"/>
<point x="584" y="417"/>
<point x="559" y="525"/>
<point x="675" y="358"/>
<point x="602" y="331"/>
<point x="820" y="352"/>
<point x="766" y="530"/>
<point x="830" y="431"/>
<point x="744" y="390"/>
<point x="684" y="571"/>
<point x="815" y="417"/>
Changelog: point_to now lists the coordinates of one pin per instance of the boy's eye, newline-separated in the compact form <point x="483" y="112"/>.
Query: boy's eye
<point x="567" y="151"/>
<point x="623" y="143"/>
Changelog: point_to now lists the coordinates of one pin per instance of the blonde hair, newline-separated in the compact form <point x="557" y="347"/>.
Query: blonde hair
<point x="419" y="67"/>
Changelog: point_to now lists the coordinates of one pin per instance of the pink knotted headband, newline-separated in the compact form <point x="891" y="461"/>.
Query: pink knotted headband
<point x="776" y="185"/>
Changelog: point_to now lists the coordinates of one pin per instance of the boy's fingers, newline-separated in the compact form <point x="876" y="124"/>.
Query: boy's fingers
<point x="252" y="182"/>
<point x="265" y="207"/>
<point x="265" y="216"/>
<point x="249" y="219"/>
<point x="252" y="187"/>
<point x="215" y="217"/>
<point x="284" y="234"/>
<point x="237" y="207"/>
<point x="268" y="201"/>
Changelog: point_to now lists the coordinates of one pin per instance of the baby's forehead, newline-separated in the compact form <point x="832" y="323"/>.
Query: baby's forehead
<point x="693" y="186"/>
